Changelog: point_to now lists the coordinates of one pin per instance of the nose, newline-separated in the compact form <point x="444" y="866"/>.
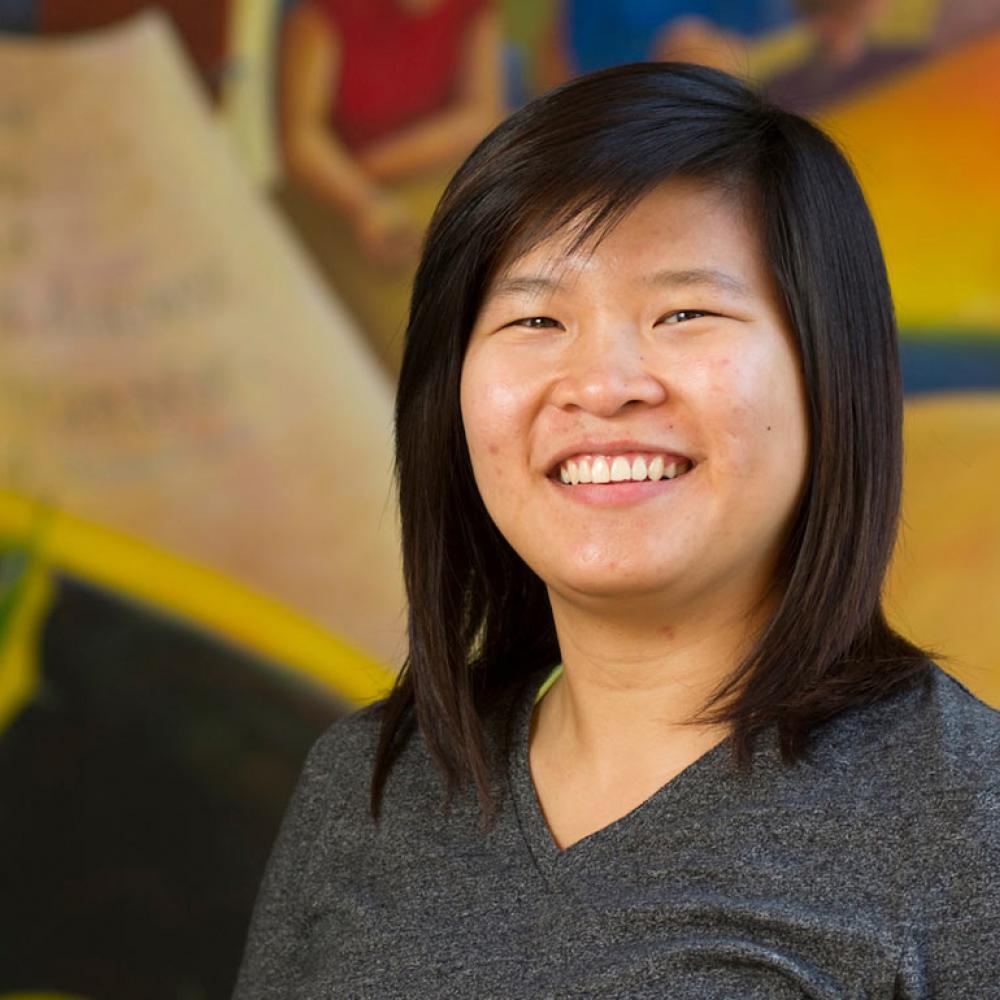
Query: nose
<point x="604" y="371"/>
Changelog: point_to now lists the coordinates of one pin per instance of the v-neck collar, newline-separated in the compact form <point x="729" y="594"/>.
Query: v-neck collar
<point x="693" y="789"/>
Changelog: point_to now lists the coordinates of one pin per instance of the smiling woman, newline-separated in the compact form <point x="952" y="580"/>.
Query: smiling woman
<point x="653" y="735"/>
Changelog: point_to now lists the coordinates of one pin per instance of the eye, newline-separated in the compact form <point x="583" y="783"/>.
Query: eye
<point x="681" y="315"/>
<point x="532" y="322"/>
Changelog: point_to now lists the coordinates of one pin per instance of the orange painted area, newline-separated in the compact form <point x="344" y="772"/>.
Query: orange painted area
<point x="945" y="577"/>
<point x="926" y="147"/>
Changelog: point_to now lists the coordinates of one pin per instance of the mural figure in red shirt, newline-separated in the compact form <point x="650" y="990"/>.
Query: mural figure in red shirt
<point x="375" y="92"/>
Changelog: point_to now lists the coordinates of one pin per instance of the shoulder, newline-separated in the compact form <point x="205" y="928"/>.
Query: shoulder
<point x="343" y="757"/>
<point x="941" y="783"/>
<point x="341" y="764"/>
<point x="936" y="737"/>
<point x="351" y="737"/>
<point x="962" y="735"/>
<point x="909" y="788"/>
<point x="916" y="774"/>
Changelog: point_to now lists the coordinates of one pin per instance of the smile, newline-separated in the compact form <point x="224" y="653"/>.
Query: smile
<point x="631" y="467"/>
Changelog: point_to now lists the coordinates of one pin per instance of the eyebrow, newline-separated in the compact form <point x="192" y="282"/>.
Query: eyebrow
<point x="532" y="284"/>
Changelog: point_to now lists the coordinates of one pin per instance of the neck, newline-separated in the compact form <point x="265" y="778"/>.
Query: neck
<point x="630" y="684"/>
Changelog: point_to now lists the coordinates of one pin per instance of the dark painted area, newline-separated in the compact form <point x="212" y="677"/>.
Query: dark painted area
<point x="18" y="15"/>
<point x="142" y="790"/>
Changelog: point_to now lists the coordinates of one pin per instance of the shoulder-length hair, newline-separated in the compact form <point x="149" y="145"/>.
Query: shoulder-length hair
<point x="479" y="618"/>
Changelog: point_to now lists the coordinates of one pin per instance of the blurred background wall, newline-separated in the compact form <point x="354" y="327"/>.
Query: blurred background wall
<point x="211" y="215"/>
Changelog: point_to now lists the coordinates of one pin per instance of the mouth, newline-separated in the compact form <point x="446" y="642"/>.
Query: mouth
<point x="617" y="470"/>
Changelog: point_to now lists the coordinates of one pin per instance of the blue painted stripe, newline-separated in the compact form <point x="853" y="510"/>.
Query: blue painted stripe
<point x="949" y="363"/>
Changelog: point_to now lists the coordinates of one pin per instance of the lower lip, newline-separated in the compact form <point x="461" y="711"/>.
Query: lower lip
<point x="618" y="494"/>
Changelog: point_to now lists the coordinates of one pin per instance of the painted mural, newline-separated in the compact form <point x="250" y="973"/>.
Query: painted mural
<point x="213" y="212"/>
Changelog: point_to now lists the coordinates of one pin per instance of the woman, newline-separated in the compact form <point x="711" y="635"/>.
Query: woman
<point x="648" y="452"/>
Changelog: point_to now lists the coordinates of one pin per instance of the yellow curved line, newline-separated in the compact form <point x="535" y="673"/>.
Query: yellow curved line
<point x="19" y="645"/>
<point x="201" y="595"/>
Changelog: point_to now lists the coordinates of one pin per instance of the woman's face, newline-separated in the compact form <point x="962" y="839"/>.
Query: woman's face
<point x="665" y="350"/>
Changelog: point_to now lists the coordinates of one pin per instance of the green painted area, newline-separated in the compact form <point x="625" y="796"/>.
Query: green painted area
<point x="526" y="21"/>
<point x="983" y="333"/>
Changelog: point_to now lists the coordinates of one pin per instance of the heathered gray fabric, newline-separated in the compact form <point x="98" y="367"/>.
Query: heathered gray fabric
<point x="872" y="871"/>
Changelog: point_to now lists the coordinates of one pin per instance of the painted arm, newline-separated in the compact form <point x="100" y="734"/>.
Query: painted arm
<point x="315" y="157"/>
<point x="555" y="63"/>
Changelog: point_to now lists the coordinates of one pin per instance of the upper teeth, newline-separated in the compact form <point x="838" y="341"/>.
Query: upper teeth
<point x="618" y="468"/>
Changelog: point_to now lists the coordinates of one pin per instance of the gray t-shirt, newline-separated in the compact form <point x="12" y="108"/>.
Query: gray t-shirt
<point x="872" y="871"/>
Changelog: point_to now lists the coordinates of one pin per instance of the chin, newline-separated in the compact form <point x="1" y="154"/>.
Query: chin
<point x="619" y="584"/>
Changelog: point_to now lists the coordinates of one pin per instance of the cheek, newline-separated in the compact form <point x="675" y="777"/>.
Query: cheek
<point x="493" y="414"/>
<point x="759" y="416"/>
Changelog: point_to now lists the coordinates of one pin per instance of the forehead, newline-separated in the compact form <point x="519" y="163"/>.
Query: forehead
<point x="683" y="233"/>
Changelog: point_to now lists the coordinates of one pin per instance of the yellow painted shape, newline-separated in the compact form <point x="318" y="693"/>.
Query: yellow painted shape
<point x="19" y="643"/>
<point x="200" y="595"/>
<point x="778" y="51"/>
<point x="526" y="22"/>
<point x="906" y="22"/>
<point x="944" y="583"/>
<point x="926" y="147"/>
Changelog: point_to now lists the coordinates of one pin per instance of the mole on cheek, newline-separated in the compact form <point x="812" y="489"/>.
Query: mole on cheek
<point x="495" y="448"/>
